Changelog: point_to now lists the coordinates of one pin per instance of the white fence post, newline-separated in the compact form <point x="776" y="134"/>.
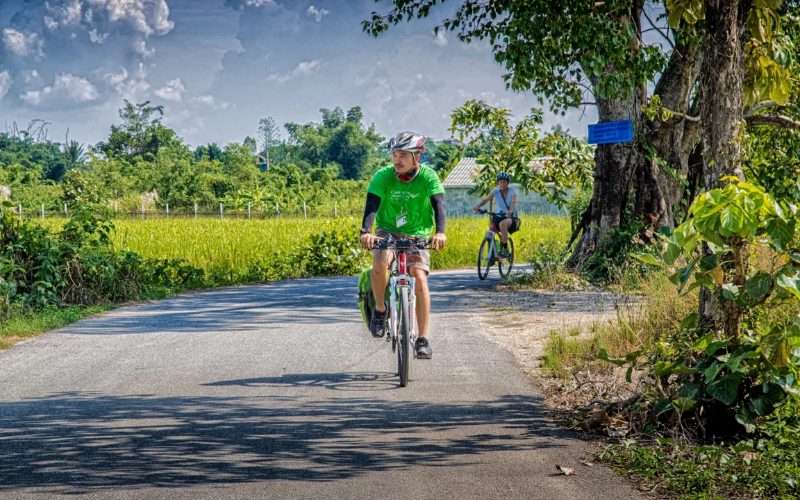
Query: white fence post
<point x="167" y="209"/>
<point x="335" y="210"/>
<point x="220" y="211"/>
<point x="305" y="216"/>
<point x="42" y="211"/>
<point x="65" y="209"/>
<point x="277" y="209"/>
<point x="248" y="211"/>
<point x="142" y="210"/>
<point x="19" y="210"/>
<point x="195" y="210"/>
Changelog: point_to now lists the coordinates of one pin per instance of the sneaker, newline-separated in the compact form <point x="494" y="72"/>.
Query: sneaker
<point x="423" y="348"/>
<point x="377" y="324"/>
<point x="504" y="253"/>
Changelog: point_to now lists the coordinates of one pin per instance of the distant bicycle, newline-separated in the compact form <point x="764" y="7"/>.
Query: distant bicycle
<point x="402" y="302"/>
<point x="489" y="252"/>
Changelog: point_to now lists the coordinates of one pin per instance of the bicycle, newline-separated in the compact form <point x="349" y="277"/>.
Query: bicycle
<point x="402" y="306"/>
<point x="489" y="252"/>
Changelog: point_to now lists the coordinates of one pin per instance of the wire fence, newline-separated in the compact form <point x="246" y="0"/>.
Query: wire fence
<point x="248" y="212"/>
<point x="220" y="212"/>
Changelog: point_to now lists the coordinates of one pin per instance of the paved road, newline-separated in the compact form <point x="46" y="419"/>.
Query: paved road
<point x="278" y="391"/>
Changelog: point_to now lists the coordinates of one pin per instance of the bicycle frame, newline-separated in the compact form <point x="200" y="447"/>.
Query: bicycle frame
<point x="402" y="302"/>
<point x="399" y="279"/>
<point x="493" y="254"/>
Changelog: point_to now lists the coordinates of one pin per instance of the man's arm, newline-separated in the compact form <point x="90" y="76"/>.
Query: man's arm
<point x="370" y="210"/>
<point x="439" y="214"/>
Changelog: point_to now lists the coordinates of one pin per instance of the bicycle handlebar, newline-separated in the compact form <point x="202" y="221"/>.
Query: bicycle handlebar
<point x="392" y="243"/>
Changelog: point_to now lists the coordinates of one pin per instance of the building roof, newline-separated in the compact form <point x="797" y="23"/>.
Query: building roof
<point x="467" y="169"/>
<point x="463" y="174"/>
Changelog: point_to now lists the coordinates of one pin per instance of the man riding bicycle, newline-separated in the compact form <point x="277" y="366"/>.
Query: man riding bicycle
<point x="505" y="198"/>
<point x="404" y="199"/>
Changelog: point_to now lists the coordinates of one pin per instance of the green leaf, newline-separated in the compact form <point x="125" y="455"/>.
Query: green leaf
<point x="683" y="404"/>
<point x="758" y="286"/>
<point x="763" y="403"/>
<point x="603" y="355"/>
<point x="689" y="390"/>
<point x="648" y="259"/>
<point x="731" y="220"/>
<point x="715" y="346"/>
<point x="781" y="232"/>
<point x="664" y="405"/>
<point x="790" y="284"/>
<point x="690" y="321"/>
<point x="671" y="253"/>
<point x="712" y="371"/>
<point x="775" y="347"/>
<point x="725" y="389"/>
<point x="703" y="342"/>
<point x="730" y="291"/>
<point x="744" y="417"/>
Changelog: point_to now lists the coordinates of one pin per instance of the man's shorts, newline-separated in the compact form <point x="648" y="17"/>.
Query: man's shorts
<point x="416" y="258"/>
<point x="496" y="219"/>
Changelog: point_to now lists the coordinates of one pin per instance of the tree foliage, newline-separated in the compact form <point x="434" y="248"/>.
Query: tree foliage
<point x="549" y="165"/>
<point x="339" y="140"/>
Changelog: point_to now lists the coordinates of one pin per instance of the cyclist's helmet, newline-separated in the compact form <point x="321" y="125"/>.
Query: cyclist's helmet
<point x="408" y="141"/>
<point x="502" y="176"/>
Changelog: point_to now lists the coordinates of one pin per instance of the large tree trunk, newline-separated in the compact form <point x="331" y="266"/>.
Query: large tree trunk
<point x="722" y="98"/>
<point x="615" y="165"/>
<point x="659" y="188"/>
<point x="662" y="178"/>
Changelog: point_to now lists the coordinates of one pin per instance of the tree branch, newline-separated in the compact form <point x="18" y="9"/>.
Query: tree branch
<point x="777" y="120"/>
<point x="644" y="11"/>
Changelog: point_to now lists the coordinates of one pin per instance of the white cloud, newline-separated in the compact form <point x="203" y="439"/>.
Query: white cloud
<point x="172" y="91"/>
<point x="440" y="39"/>
<point x="146" y="17"/>
<point x="305" y="68"/>
<point x="259" y="3"/>
<point x="96" y="37"/>
<point x="210" y="100"/>
<point x="23" y="44"/>
<point x="30" y="76"/>
<point x="65" y="87"/>
<point x="140" y="47"/>
<point x="317" y="13"/>
<point x="149" y="17"/>
<point x="5" y="83"/>
<point x="129" y="87"/>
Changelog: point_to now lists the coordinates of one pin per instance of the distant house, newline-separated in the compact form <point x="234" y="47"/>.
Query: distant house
<point x="461" y="181"/>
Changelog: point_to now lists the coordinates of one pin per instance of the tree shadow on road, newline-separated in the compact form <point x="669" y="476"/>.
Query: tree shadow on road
<point x="75" y="443"/>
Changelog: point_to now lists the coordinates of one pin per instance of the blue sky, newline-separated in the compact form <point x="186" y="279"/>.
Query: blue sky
<point x="218" y="66"/>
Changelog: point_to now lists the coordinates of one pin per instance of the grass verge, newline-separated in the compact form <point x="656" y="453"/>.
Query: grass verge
<point x="22" y="325"/>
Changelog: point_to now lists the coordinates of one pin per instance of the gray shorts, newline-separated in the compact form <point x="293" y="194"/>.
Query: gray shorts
<point x="416" y="258"/>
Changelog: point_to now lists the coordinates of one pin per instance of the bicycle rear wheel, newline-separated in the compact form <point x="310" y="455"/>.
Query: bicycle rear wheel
<point x="484" y="258"/>
<point x="505" y="265"/>
<point x="404" y="338"/>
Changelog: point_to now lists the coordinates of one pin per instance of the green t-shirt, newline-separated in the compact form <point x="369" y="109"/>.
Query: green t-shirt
<point x="406" y="208"/>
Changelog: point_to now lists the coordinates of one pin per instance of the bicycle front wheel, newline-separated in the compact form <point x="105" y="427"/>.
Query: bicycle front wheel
<point x="505" y="265"/>
<point x="404" y="338"/>
<point x="484" y="258"/>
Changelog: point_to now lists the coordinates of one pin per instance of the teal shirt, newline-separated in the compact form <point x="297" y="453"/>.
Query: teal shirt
<point x="406" y="208"/>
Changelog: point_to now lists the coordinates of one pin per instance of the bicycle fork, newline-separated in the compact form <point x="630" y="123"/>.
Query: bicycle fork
<point x="395" y="284"/>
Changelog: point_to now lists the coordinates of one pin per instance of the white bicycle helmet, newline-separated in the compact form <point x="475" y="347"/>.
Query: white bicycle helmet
<point x="408" y="141"/>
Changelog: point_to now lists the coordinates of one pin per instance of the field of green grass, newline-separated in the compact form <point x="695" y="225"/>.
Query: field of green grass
<point x="233" y="248"/>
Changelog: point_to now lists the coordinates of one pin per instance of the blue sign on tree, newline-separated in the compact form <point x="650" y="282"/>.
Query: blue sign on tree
<point x="611" y="132"/>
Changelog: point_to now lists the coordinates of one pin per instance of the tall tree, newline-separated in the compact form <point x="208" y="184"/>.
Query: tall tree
<point x="582" y="52"/>
<point x="268" y="136"/>
<point x="141" y="134"/>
